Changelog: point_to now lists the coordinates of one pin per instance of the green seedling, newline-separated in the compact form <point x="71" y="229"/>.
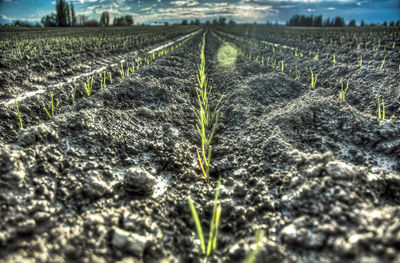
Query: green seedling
<point x="103" y="83"/>
<point x="89" y="86"/>
<point x="316" y="56"/>
<point x="53" y="109"/>
<point x="255" y="247"/>
<point x="360" y="62"/>
<point x="282" y="66"/>
<point x="383" y="62"/>
<point x="381" y="111"/>
<point x="334" y="58"/>
<point x="74" y="93"/>
<point x="19" y="116"/>
<point x="342" y="94"/>
<point x="110" y="78"/>
<point x="122" y="72"/>
<point x="313" y="80"/>
<point x="297" y="73"/>
<point x="274" y="63"/>
<point x="214" y="224"/>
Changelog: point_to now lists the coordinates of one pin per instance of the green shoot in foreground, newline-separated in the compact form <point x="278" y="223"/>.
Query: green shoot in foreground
<point x="381" y="112"/>
<point x="313" y="80"/>
<point x="89" y="86"/>
<point x="213" y="235"/>
<point x="52" y="107"/>
<point x="19" y="116"/>
<point x="342" y="94"/>
<point x="255" y="247"/>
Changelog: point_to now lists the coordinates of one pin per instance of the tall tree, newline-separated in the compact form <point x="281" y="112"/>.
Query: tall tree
<point x="82" y="19"/>
<point x="49" y="20"/>
<point x="61" y="9"/>
<point x="73" y="15"/>
<point x="317" y="21"/>
<point x="68" y="14"/>
<point x="352" y="23"/>
<point x="105" y="19"/>
<point x="129" y="20"/>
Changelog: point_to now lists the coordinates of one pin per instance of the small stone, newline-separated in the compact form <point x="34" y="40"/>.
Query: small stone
<point x="94" y="219"/>
<point x="16" y="176"/>
<point x="172" y="132"/>
<point x="340" y="170"/>
<point x="95" y="187"/>
<point x="41" y="216"/>
<point x="139" y="182"/>
<point x="37" y="134"/>
<point x="26" y="226"/>
<point x="314" y="170"/>
<point x="299" y="234"/>
<point x="129" y="242"/>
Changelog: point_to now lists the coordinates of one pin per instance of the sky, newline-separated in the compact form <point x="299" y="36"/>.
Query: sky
<point x="242" y="11"/>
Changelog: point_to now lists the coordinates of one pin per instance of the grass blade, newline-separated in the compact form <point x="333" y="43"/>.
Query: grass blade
<point x="198" y="225"/>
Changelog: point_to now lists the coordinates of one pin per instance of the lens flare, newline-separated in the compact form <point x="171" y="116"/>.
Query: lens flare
<point x="227" y="54"/>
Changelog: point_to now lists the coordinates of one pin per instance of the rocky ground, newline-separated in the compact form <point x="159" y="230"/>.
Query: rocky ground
<point x="107" y="179"/>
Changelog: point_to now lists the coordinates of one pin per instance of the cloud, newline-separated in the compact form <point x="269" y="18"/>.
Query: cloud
<point x="244" y="13"/>
<point x="184" y="3"/>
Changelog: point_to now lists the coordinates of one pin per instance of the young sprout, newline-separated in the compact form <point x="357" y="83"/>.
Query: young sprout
<point x="316" y="56"/>
<point x="274" y="63"/>
<point x="342" y="94"/>
<point x="103" y="83"/>
<point x="74" y="93"/>
<point x="313" y="80"/>
<point x="89" y="86"/>
<point x="52" y="107"/>
<point x="383" y="62"/>
<point x="282" y="65"/>
<point x="360" y="62"/>
<point x="19" y="116"/>
<point x="214" y="224"/>
<point x="256" y="247"/>
<point x="334" y="58"/>
<point x="297" y="73"/>
<point x="381" y="112"/>
<point x="110" y="78"/>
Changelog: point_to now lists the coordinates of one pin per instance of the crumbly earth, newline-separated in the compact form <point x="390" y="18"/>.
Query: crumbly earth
<point x="107" y="179"/>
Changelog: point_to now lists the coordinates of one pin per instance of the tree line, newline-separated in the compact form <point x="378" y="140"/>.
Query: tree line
<point x="317" y="21"/>
<point x="65" y="16"/>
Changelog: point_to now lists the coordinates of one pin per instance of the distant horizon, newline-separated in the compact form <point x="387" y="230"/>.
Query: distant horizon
<point x="241" y="11"/>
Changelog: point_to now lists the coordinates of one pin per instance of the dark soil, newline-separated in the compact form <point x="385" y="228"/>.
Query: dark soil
<point x="107" y="179"/>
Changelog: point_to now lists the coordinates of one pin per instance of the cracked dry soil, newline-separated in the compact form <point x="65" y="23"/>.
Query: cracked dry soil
<point x="107" y="179"/>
